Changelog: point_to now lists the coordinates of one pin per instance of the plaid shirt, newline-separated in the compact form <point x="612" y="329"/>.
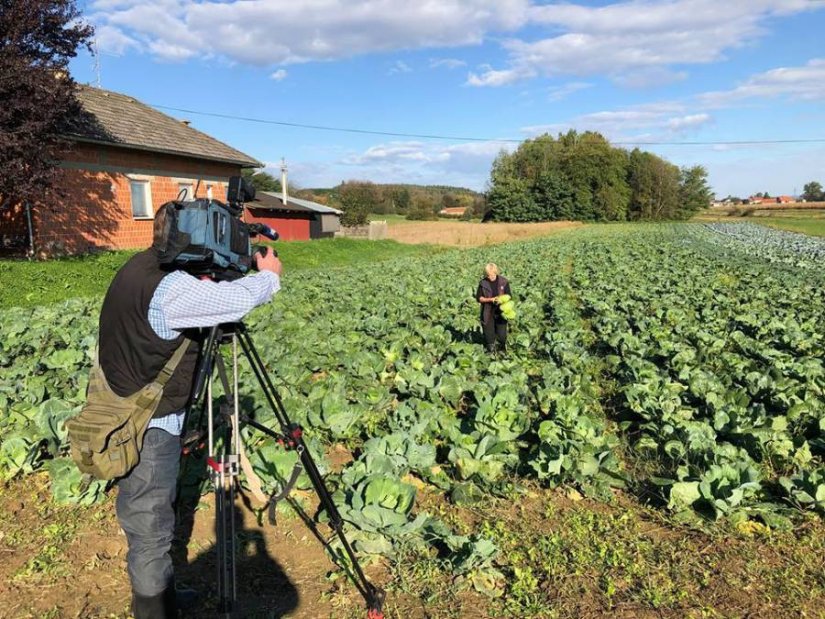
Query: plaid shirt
<point x="182" y="301"/>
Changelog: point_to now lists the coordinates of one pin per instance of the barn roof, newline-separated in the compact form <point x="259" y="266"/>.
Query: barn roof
<point x="112" y="118"/>
<point x="272" y="200"/>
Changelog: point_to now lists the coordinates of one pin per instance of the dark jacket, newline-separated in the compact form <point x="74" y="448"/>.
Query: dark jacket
<point x="131" y="353"/>
<point x="486" y="288"/>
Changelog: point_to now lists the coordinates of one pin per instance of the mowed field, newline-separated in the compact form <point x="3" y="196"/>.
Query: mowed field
<point x="471" y="234"/>
<point x="809" y="219"/>
<point x="651" y="445"/>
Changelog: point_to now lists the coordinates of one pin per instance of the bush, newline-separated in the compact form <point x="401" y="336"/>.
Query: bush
<point x="423" y="208"/>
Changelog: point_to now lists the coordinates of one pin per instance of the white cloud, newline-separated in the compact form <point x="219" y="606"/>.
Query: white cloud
<point x="466" y="164"/>
<point x="447" y="63"/>
<point x="648" y="77"/>
<point x="636" y="42"/>
<point x="805" y="83"/>
<point x="110" y="40"/>
<point x="690" y="121"/>
<point x="399" y="66"/>
<point x="492" y="77"/>
<point x="638" y="123"/>
<point x="267" y="32"/>
<point x="557" y="93"/>
<point x="279" y="75"/>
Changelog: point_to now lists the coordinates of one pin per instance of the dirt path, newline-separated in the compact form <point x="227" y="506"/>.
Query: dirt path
<point x="70" y="562"/>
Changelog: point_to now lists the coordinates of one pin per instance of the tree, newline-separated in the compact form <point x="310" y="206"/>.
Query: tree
<point x="261" y="180"/>
<point x="555" y="196"/>
<point x="694" y="192"/>
<point x="574" y="176"/>
<point x="450" y="200"/>
<point x="37" y="40"/>
<point x="357" y="199"/>
<point x="509" y="196"/>
<point x="423" y="207"/>
<point x="401" y="199"/>
<point x="654" y="187"/>
<point x="812" y="192"/>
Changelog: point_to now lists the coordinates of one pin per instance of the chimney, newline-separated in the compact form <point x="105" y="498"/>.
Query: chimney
<point x="284" y="189"/>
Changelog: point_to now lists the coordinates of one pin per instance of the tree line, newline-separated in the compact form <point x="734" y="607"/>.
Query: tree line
<point x="581" y="176"/>
<point x="359" y="199"/>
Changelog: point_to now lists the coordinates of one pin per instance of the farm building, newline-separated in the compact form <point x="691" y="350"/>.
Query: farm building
<point x="453" y="211"/>
<point x="127" y="159"/>
<point x="293" y="218"/>
<point x="769" y="200"/>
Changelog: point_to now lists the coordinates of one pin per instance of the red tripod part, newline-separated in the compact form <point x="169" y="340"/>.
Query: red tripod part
<point x="373" y="613"/>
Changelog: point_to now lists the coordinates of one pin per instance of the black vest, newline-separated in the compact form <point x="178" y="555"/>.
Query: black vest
<point x="131" y="353"/>
<point x="491" y="311"/>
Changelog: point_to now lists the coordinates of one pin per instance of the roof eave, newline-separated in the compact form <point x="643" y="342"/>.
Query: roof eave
<point x="244" y="163"/>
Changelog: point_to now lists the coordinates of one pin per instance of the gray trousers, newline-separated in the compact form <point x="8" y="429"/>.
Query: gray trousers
<point x="145" y="511"/>
<point x="495" y="332"/>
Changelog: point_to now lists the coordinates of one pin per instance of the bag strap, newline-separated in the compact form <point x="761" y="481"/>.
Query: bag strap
<point x="172" y="364"/>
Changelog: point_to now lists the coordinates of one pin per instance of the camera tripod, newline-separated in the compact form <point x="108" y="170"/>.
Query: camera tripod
<point x="225" y="462"/>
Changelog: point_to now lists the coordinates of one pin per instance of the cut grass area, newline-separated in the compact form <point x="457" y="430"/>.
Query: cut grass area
<point x="806" y="221"/>
<point x="468" y="234"/>
<point x="24" y="283"/>
<point x="813" y="227"/>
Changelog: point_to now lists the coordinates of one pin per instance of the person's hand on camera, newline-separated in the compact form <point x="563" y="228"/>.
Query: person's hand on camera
<point x="268" y="262"/>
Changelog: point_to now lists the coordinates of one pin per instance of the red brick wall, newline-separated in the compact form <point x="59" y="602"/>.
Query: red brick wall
<point x="289" y="226"/>
<point x="96" y="210"/>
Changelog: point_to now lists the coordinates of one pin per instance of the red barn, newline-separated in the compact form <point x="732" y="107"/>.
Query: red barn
<point x="295" y="220"/>
<point x="127" y="159"/>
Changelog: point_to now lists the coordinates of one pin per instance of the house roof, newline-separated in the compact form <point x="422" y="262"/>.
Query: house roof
<point x="272" y="200"/>
<point x="112" y="118"/>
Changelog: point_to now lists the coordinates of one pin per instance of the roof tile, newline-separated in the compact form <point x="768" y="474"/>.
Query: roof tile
<point x="114" y="118"/>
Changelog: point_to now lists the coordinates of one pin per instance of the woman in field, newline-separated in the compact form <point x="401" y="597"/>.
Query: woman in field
<point x="493" y="323"/>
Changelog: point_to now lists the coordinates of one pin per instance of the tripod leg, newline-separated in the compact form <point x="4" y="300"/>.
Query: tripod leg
<point x="225" y="470"/>
<point x="374" y="596"/>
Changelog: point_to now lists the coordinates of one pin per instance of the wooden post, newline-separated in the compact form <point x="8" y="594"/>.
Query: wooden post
<point x="31" y="230"/>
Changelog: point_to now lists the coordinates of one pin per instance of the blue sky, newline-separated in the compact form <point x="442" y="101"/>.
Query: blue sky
<point x="669" y="71"/>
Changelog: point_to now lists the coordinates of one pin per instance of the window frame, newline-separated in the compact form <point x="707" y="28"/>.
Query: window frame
<point x="148" y="205"/>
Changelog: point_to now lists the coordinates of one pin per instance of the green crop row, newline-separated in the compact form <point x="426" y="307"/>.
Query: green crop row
<point x="647" y="358"/>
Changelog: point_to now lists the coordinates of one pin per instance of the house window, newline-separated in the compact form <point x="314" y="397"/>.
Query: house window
<point x="186" y="191"/>
<point x="141" y="199"/>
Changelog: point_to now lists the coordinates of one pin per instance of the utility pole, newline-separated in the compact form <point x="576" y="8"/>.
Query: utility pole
<point x="284" y="190"/>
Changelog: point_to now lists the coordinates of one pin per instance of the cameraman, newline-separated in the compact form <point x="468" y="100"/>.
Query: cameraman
<point x="145" y="312"/>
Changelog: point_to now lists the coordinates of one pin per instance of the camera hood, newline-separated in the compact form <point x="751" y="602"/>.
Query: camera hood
<point x="172" y="241"/>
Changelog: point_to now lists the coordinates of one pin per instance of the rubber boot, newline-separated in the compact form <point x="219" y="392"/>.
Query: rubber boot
<point x="161" y="606"/>
<point x="187" y="600"/>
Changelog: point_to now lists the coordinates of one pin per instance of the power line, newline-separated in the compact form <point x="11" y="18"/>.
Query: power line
<point x="464" y="138"/>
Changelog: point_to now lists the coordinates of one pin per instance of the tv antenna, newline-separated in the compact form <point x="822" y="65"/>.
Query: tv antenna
<point x="96" y="54"/>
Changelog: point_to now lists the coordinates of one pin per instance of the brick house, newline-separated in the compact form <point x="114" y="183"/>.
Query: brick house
<point x="127" y="159"/>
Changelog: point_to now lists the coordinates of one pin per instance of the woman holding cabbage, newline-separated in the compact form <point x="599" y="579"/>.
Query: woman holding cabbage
<point x="496" y="307"/>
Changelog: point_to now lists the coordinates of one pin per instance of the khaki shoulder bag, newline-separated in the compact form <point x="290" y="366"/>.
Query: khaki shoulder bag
<point x="107" y="435"/>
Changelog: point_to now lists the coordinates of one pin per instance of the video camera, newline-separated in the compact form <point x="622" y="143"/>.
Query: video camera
<point x="209" y="237"/>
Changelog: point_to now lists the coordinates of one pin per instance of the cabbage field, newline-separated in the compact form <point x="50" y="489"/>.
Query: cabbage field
<point x="683" y="365"/>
